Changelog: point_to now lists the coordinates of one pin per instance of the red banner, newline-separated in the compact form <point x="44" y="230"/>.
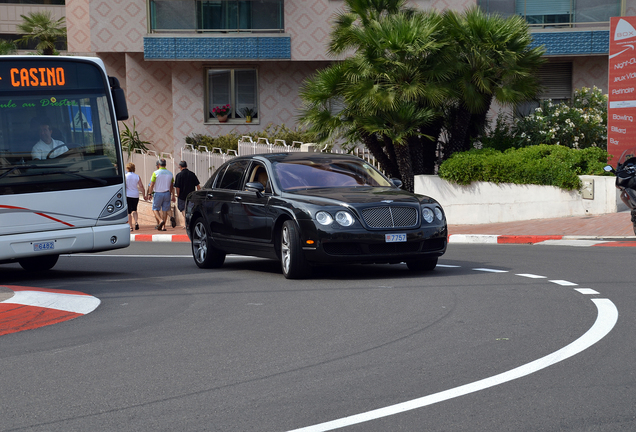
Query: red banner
<point x="621" y="112"/>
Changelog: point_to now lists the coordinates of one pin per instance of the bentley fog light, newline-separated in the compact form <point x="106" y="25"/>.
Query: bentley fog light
<point x="427" y="214"/>
<point x="344" y="218"/>
<point x="324" y="218"/>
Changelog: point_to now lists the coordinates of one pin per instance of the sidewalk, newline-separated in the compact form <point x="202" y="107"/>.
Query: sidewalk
<point x="613" y="226"/>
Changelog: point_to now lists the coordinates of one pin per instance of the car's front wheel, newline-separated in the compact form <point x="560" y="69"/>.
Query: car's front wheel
<point x="205" y="255"/>
<point x="292" y="258"/>
<point x="427" y="264"/>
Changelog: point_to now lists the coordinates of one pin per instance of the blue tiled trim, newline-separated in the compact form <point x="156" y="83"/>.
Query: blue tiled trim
<point x="224" y="48"/>
<point x="573" y="43"/>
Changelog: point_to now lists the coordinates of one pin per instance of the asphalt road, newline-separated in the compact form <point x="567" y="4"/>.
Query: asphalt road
<point x="173" y="347"/>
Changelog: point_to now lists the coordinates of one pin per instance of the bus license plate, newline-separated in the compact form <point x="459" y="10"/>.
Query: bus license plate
<point x="394" y="238"/>
<point x="42" y="246"/>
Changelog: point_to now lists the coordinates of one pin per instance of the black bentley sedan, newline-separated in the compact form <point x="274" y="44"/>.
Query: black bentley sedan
<point x="311" y="209"/>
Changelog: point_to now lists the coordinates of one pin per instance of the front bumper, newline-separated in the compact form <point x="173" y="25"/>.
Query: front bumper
<point x="359" y="245"/>
<point x="90" y="239"/>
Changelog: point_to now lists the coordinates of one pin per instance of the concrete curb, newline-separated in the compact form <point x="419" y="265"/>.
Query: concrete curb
<point x="454" y="238"/>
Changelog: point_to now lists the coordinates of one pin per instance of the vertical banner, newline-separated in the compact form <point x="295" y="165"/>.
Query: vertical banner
<point x="621" y="112"/>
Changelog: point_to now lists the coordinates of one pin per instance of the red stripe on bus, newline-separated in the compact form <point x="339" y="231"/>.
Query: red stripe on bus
<point x="39" y="214"/>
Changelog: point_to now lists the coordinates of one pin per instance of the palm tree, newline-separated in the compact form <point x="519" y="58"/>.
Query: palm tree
<point x="7" y="47"/>
<point x="413" y="76"/>
<point x="495" y="62"/>
<point x="388" y="89"/>
<point x="40" y="26"/>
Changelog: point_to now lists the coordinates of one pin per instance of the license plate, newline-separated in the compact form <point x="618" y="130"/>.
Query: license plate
<point x="43" y="246"/>
<point x="394" y="238"/>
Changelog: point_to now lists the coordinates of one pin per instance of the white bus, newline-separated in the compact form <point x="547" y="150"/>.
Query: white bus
<point x="66" y="194"/>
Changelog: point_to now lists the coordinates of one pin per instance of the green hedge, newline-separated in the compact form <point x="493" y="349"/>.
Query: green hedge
<point x="550" y="165"/>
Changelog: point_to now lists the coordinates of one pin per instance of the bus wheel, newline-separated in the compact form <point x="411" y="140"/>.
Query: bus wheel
<point x="41" y="263"/>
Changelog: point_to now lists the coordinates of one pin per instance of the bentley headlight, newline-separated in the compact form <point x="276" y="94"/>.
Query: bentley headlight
<point x="324" y="218"/>
<point x="427" y="214"/>
<point x="438" y="213"/>
<point x="344" y="218"/>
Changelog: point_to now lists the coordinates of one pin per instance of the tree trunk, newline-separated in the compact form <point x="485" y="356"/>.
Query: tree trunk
<point x="403" y="156"/>
<point x="377" y="149"/>
<point x="457" y="131"/>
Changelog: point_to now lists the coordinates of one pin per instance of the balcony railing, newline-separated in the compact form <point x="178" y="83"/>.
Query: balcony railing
<point x="557" y="13"/>
<point x="223" y="16"/>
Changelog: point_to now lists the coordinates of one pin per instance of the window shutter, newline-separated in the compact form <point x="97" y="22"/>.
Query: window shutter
<point x="556" y="80"/>
<point x="542" y="7"/>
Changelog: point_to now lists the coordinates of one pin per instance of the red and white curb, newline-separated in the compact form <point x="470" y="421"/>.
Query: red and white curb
<point x="30" y="308"/>
<point x="165" y="238"/>
<point x="554" y="240"/>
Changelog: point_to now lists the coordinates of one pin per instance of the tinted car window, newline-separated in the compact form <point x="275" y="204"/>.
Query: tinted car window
<point x="328" y="174"/>
<point x="233" y="175"/>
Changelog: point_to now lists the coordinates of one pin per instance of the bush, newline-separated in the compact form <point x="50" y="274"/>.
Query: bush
<point x="578" y="124"/>
<point x="271" y="132"/>
<point x="541" y="165"/>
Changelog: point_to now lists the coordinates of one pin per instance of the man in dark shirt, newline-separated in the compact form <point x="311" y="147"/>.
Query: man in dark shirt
<point x="185" y="182"/>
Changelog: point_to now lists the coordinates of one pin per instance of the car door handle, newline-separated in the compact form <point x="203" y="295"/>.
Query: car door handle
<point x="238" y="198"/>
<point x="209" y="195"/>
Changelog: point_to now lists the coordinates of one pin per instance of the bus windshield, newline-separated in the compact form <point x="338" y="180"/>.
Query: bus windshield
<point x="56" y="128"/>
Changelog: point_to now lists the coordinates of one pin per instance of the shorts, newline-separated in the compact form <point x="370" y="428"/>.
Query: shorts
<point x="161" y="201"/>
<point x="132" y="204"/>
<point x="181" y="204"/>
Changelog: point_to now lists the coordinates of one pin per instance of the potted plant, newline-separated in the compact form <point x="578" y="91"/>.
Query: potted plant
<point x="221" y="112"/>
<point x="130" y="139"/>
<point x="248" y="113"/>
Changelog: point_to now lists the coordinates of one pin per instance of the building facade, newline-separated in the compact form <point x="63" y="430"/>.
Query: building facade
<point x="179" y="59"/>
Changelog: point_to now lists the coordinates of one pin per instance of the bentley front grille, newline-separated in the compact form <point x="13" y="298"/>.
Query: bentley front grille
<point x="390" y="217"/>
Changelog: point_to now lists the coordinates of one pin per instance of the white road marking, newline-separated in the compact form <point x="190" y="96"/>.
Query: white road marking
<point x="531" y="276"/>
<point x="490" y="270"/>
<point x="565" y="242"/>
<point x="81" y="304"/>
<point x="448" y="265"/>
<point x="605" y="321"/>
<point x="563" y="283"/>
<point x="587" y="291"/>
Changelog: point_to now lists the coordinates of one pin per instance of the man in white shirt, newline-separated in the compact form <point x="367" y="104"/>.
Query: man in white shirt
<point x="42" y="148"/>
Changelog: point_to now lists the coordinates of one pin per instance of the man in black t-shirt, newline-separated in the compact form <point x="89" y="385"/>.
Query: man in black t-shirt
<point x="185" y="182"/>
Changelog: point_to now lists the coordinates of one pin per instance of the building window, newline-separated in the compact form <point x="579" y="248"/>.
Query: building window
<point x="222" y="16"/>
<point x="235" y="87"/>
<point x="556" y="83"/>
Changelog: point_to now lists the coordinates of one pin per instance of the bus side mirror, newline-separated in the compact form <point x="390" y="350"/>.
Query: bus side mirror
<point x="119" y="99"/>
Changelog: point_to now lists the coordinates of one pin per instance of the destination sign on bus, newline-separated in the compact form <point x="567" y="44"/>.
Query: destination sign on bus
<point x="45" y="75"/>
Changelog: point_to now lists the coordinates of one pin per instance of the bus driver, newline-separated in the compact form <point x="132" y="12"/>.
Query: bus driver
<point x="43" y="147"/>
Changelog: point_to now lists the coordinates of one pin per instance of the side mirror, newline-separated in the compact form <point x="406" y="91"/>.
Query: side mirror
<point x="255" y="187"/>
<point x="119" y="99"/>
<point x="608" y="168"/>
<point x="396" y="182"/>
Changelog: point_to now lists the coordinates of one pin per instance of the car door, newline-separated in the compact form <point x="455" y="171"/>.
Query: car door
<point x="251" y="216"/>
<point x="219" y="201"/>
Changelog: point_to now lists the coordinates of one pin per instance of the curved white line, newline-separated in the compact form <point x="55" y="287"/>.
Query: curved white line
<point x="605" y="321"/>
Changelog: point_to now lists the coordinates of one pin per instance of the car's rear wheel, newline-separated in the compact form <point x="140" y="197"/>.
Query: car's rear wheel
<point x="292" y="258"/>
<point x="205" y="255"/>
<point x="427" y="264"/>
<point x="40" y="263"/>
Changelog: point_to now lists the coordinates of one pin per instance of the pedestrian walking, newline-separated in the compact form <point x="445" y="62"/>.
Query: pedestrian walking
<point x="185" y="182"/>
<point x="162" y="184"/>
<point x="133" y="187"/>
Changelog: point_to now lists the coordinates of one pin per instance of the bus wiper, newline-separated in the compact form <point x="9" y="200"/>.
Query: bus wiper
<point x="85" y="177"/>
<point x="13" y="168"/>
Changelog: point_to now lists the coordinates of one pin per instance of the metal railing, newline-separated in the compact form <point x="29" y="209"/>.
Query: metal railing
<point x="204" y="162"/>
